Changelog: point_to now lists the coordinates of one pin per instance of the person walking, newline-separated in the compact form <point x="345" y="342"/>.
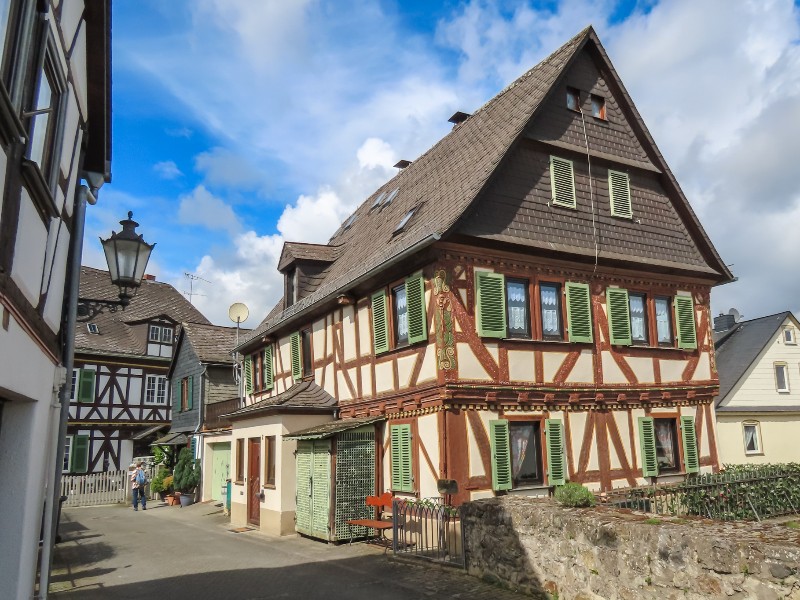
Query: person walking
<point x="139" y="482"/>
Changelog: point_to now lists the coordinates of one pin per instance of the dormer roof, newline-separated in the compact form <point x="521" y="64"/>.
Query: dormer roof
<point x="294" y="252"/>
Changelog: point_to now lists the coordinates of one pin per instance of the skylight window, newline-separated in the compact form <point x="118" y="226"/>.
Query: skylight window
<point x="391" y="197"/>
<point x="404" y="221"/>
<point x="350" y="221"/>
<point x="378" y="200"/>
<point x="93" y="328"/>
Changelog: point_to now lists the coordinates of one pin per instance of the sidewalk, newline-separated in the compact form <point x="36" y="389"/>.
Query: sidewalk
<point x="114" y="552"/>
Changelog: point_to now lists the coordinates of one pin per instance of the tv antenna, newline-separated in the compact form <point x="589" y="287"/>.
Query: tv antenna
<point x="237" y="313"/>
<point x="192" y="278"/>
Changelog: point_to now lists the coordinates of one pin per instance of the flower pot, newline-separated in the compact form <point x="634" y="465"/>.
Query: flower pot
<point x="186" y="499"/>
<point x="171" y="500"/>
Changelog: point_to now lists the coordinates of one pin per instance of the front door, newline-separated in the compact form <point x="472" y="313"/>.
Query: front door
<point x="220" y="469"/>
<point x="313" y="488"/>
<point x="254" y="481"/>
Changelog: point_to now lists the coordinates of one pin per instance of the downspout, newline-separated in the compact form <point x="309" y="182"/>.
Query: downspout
<point x="52" y="500"/>
<point x="200" y="421"/>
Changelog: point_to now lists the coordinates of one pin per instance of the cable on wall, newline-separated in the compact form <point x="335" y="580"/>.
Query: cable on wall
<point x="591" y="193"/>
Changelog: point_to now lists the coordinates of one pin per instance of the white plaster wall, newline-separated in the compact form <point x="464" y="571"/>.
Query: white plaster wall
<point x="364" y="340"/>
<point x="779" y="434"/>
<point x="468" y="365"/>
<point x="521" y="366"/>
<point x="583" y="371"/>
<point x="611" y="371"/>
<point x="642" y="367"/>
<point x="428" y="428"/>
<point x="405" y="366"/>
<point x="366" y="381"/>
<point x="55" y="296"/>
<point x="672" y="370"/>
<point x="551" y="362"/>
<point x="29" y="250"/>
<point x="349" y="333"/>
<point x="317" y="340"/>
<point x="384" y="378"/>
<point x="428" y="370"/>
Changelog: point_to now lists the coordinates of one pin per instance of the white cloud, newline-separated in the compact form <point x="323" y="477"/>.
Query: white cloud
<point x="201" y="207"/>
<point x="167" y="170"/>
<point x="374" y="152"/>
<point x="221" y="167"/>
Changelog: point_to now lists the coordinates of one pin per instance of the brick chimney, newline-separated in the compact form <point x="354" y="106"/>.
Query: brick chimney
<point x="148" y="277"/>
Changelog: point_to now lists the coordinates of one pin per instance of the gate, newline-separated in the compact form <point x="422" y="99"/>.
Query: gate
<point x="313" y="488"/>
<point x="92" y="489"/>
<point x="428" y="529"/>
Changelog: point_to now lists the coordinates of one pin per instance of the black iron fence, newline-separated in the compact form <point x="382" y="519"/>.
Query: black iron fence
<point x="738" y="493"/>
<point x="428" y="529"/>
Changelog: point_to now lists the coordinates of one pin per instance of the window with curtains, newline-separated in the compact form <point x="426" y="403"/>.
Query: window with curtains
<point x="517" y="453"/>
<point x="526" y="453"/>
<point x="638" y="311"/>
<point x="550" y="300"/>
<point x="752" y="438"/>
<point x="663" y="321"/>
<point x="400" y="307"/>
<point x="667" y="454"/>
<point x="517" y="308"/>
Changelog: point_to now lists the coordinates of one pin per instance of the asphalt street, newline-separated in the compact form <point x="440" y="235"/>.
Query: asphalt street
<point x="169" y="552"/>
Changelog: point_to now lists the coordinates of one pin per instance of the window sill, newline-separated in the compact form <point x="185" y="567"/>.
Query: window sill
<point x="269" y="486"/>
<point x="238" y="483"/>
<point x="754" y="454"/>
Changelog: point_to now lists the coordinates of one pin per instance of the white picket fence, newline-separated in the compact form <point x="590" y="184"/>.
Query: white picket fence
<point x="109" y="487"/>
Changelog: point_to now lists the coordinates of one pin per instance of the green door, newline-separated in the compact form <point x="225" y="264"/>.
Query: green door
<point x="220" y="469"/>
<point x="313" y="488"/>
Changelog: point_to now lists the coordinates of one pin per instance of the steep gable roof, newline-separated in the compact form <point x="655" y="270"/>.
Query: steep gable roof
<point x="304" y="397"/>
<point x="445" y="182"/>
<point x="116" y="336"/>
<point x="740" y="346"/>
<point x="212" y="343"/>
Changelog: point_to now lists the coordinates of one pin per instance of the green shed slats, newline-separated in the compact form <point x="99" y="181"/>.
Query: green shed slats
<point x="690" y="453"/>
<point x="619" y="190"/>
<point x="303" y="462"/>
<point x="380" y="322"/>
<point x="684" y="316"/>
<point x="490" y="304"/>
<point x="579" y="312"/>
<point x="556" y="470"/>
<point x="619" y="316"/>
<point x="86" y="381"/>
<point x="269" y="374"/>
<point x="297" y="366"/>
<point x="501" y="455"/>
<point x="647" y="441"/>
<point x="562" y="182"/>
<point x="321" y="489"/>
<point x="79" y="458"/>
<point x="417" y="317"/>
<point x="248" y="374"/>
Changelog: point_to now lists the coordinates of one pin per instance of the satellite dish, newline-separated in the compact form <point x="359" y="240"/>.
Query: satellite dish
<point x="735" y="314"/>
<point x="238" y="312"/>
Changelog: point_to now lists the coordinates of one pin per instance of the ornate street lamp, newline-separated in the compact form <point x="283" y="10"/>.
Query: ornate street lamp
<point x="126" y="254"/>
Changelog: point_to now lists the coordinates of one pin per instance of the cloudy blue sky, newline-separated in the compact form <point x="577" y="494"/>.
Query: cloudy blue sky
<point x="238" y="124"/>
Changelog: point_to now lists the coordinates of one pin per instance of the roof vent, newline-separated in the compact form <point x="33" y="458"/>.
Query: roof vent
<point x="402" y="164"/>
<point x="459" y="117"/>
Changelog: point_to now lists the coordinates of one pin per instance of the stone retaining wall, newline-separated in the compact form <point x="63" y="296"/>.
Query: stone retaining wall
<point x="548" y="551"/>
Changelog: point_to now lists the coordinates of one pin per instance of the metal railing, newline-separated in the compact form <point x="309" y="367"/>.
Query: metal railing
<point x="751" y="493"/>
<point x="428" y="529"/>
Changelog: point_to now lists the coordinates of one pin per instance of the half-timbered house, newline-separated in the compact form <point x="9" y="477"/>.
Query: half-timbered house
<point x="120" y="392"/>
<point x="204" y="388"/>
<point x="524" y="304"/>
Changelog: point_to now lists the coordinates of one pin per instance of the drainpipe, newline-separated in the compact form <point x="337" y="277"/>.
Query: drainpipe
<point x="52" y="500"/>
<point x="200" y="421"/>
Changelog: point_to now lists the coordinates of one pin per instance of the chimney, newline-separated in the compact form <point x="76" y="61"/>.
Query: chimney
<point x="148" y="277"/>
<point x="724" y="322"/>
<point x="402" y="164"/>
<point x="459" y="117"/>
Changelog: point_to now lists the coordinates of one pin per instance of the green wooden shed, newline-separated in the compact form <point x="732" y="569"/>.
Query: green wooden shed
<point x="336" y="467"/>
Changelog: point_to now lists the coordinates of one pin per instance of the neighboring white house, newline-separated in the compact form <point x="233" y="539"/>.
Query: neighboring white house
<point x="758" y="408"/>
<point x="55" y="103"/>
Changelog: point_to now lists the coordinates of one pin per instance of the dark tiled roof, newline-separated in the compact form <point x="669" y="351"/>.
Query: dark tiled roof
<point x="153" y="299"/>
<point x="446" y="181"/>
<point x="212" y="343"/>
<point x="305" y="395"/>
<point x="328" y="429"/>
<point x="741" y="345"/>
<point x="293" y="251"/>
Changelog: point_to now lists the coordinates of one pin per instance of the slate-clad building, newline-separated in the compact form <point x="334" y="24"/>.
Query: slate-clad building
<point x="204" y="388"/>
<point x="524" y="304"/>
<point x="120" y="391"/>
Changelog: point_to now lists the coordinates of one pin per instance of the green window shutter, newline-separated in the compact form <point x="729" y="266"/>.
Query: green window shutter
<point x="417" y="316"/>
<point x="690" y="454"/>
<point x="380" y="324"/>
<point x="684" y="315"/>
<point x="490" y="304"/>
<point x="79" y="462"/>
<point x="86" y="386"/>
<point x="190" y="392"/>
<point x="556" y="457"/>
<point x="501" y="455"/>
<point x="619" y="316"/>
<point x="248" y="375"/>
<point x="297" y="365"/>
<point x="579" y="312"/>
<point x="269" y="375"/>
<point x="562" y="182"/>
<point x="402" y="478"/>
<point x="647" y="441"/>
<point x="619" y="190"/>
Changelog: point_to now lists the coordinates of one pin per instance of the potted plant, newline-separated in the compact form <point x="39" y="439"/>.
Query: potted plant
<point x="187" y="476"/>
<point x="169" y="491"/>
<point x="157" y="485"/>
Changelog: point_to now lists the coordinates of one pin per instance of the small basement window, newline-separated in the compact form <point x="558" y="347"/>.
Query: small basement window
<point x="598" y="107"/>
<point x="573" y="99"/>
<point x="93" y="328"/>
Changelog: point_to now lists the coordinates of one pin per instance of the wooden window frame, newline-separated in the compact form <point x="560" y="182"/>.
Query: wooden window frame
<point x="573" y="92"/>
<point x="184" y="394"/>
<point x="645" y="304"/>
<point x="153" y="328"/>
<point x="306" y="367"/>
<point x="789" y="336"/>
<point x="392" y="315"/>
<point x="156" y="380"/>
<point x="527" y="334"/>
<point x="255" y="369"/>
<point x="785" y="366"/>
<point x="601" y="113"/>
<point x="759" y="451"/>
<point x="674" y="419"/>
<point x="240" y="456"/>
<point x="270" y="447"/>
<point x="670" y="321"/>
<point x="541" y="448"/>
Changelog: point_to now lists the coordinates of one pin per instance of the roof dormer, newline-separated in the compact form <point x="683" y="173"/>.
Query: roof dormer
<point x="301" y="264"/>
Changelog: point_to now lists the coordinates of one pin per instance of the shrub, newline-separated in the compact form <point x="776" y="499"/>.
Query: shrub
<point x="168" y="484"/>
<point x="187" y="472"/>
<point x="575" y="495"/>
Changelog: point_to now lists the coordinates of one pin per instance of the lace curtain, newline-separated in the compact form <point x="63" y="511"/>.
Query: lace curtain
<point x="637" y="317"/>
<point x="402" y="313"/>
<point x="517" y="315"/>
<point x="662" y="320"/>
<point x="549" y="310"/>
